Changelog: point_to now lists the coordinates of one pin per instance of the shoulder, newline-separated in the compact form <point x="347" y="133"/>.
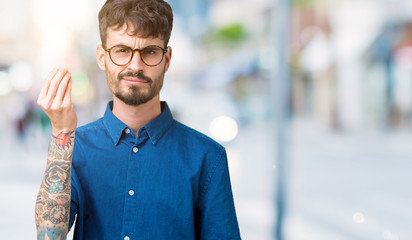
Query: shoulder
<point x="90" y="127"/>
<point x="87" y="137"/>
<point x="204" y="150"/>
<point x="87" y="134"/>
<point x="196" y="138"/>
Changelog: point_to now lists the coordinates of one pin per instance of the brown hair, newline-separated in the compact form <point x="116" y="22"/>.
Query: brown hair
<point x="148" y="18"/>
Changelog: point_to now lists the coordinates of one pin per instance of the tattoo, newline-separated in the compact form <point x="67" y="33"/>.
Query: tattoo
<point x="59" y="146"/>
<point x="56" y="212"/>
<point x="56" y="176"/>
<point x="64" y="140"/>
<point x="51" y="233"/>
<point x="53" y="201"/>
<point x="62" y="198"/>
<point x="40" y="205"/>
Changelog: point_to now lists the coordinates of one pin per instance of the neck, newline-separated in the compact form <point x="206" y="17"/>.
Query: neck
<point x="136" y="117"/>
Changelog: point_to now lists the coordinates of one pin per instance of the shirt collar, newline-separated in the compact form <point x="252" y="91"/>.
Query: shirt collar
<point x="158" y="126"/>
<point x="155" y="128"/>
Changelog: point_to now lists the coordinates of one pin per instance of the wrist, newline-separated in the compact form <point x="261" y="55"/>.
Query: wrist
<point x="63" y="138"/>
<point x="57" y="131"/>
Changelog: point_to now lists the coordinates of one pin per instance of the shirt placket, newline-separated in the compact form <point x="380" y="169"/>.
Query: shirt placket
<point x="134" y="167"/>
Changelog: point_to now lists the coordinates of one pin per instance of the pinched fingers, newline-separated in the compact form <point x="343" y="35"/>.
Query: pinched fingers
<point x="47" y="97"/>
<point x="55" y="83"/>
<point x="55" y="100"/>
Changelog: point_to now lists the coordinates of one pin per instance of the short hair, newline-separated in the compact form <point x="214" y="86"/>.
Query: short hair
<point x="148" y="18"/>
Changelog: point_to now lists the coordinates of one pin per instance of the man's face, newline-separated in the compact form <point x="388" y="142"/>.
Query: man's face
<point x="134" y="83"/>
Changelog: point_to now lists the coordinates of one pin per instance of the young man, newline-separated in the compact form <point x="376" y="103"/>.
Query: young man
<point x="136" y="173"/>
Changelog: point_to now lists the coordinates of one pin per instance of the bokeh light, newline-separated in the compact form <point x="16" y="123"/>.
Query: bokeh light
<point x="82" y="91"/>
<point x="21" y="76"/>
<point x="5" y="85"/>
<point x="358" y="217"/>
<point x="224" y="128"/>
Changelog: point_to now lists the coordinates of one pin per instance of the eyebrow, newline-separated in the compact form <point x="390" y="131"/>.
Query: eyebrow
<point x="124" y="45"/>
<point x="120" y="45"/>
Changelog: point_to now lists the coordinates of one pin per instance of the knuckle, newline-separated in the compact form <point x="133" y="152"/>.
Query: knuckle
<point x="47" y="105"/>
<point x="64" y="108"/>
<point x="55" y="108"/>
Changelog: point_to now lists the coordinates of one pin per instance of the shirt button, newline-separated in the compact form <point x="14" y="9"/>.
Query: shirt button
<point x="131" y="192"/>
<point x="127" y="131"/>
<point x="135" y="149"/>
<point x="126" y="238"/>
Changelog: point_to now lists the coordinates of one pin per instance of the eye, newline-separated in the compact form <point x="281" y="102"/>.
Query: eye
<point x="121" y="49"/>
<point x="151" y="50"/>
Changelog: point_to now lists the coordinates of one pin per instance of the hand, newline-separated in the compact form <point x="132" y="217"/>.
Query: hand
<point x="55" y="100"/>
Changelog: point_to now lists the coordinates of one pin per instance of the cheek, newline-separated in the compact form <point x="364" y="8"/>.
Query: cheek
<point x="111" y="77"/>
<point x="160" y="70"/>
<point x="112" y="71"/>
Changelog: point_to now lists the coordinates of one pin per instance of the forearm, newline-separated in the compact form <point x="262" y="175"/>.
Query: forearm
<point x="52" y="209"/>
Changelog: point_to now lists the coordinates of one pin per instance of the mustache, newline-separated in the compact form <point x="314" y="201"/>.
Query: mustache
<point x="135" y="75"/>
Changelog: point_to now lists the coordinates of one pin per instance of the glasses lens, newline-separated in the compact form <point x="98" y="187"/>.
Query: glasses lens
<point x="121" y="55"/>
<point x="152" y="55"/>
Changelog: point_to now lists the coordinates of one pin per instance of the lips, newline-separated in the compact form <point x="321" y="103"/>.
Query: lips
<point x="134" y="78"/>
<point x="135" y="81"/>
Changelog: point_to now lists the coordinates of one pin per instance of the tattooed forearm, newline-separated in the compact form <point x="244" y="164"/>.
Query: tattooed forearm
<point x="53" y="200"/>
<point x="56" y="176"/>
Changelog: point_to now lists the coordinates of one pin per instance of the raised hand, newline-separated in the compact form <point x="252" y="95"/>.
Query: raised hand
<point x="55" y="100"/>
<point x="53" y="200"/>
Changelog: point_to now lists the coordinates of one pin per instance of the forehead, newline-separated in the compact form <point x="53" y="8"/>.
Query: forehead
<point x="124" y="35"/>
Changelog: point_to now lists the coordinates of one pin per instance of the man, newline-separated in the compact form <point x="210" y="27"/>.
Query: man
<point x="135" y="173"/>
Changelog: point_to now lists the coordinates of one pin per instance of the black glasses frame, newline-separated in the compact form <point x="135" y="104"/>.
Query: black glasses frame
<point x="138" y="50"/>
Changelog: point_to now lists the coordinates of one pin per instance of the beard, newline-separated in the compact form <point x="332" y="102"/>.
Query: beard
<point x="135" y="95"/>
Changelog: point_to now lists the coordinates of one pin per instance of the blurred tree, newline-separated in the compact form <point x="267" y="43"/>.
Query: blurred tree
<point x="229" y="35"/>
<point x="303" y="2"/>
<point x="233" y="33"/>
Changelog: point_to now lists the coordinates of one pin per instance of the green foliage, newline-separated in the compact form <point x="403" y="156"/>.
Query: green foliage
<point x="228" y="35"/>
<point x="232" y="33"/>
<point x="303" y="2"/>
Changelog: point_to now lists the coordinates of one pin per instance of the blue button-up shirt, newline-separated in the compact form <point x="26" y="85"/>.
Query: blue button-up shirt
<point x="168" y="182"/>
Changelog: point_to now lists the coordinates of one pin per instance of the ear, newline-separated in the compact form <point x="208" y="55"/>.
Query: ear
<point x="168" y="57"/>
<point x="100" y="56"/>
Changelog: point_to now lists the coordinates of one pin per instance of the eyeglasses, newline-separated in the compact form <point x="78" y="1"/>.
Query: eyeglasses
<point x="122" y="55"/>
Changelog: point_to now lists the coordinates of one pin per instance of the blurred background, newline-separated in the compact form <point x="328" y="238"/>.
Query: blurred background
<point x="311" y="98"/>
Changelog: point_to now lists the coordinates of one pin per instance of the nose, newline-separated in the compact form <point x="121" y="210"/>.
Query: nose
<point x="136" y="63"/>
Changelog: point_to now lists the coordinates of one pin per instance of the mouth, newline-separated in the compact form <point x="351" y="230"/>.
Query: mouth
<point x="134" y="81"/>
<point x="134" y="78"/>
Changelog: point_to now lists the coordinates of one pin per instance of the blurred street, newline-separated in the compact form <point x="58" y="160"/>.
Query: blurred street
<point x="349" y="185"/>
<point x="338" y="71"/>
<point x="341" y="186"/>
